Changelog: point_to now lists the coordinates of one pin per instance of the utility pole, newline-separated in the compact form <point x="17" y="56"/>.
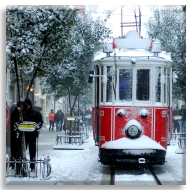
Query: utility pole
<point x="136" y="24"/>
<point x="122" y="20"/>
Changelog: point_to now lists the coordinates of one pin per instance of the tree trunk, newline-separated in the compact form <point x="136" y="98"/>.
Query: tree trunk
<point x="71" y="112"/>
<point x="22" y="139"/>
<point x="21" y="111"/>
<point x="78" y="114"/>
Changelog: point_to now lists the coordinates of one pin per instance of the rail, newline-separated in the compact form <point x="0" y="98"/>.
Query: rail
<point x="144" y="166"/>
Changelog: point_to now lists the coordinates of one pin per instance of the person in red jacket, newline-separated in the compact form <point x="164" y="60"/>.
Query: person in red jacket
<point x="51" y="119"/>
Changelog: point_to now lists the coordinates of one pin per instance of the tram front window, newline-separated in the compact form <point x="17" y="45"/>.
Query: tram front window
<point x="143" y="84"/>
<point x="158" y="84"/>
<point x="125" y="84"/>
<point x="109" y="84"/>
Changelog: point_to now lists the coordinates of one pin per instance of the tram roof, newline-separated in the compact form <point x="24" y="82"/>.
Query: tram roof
<point x="135" y="53"/>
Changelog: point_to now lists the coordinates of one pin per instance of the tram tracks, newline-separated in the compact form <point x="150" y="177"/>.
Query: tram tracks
<point x="142" y="176"/>
<point x="154" y="175"/>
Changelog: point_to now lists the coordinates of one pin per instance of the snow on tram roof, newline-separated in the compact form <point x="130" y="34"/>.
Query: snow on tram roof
<point x="133" y="53"/>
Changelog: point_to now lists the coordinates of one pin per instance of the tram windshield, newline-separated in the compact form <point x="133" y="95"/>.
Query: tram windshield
<point x="109" y="84"/>
<point x="125" y="84"/>
<point x="143" y="84"/>
<point x="158" y="84"/>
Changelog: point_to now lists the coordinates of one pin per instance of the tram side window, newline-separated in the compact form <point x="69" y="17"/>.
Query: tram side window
<point x="143" y="84"/>
<point x="165" y="74"/>
<point x="158" y="84"/>
<point x="102" y="71"/>
<point x="125" y="84"/>
<point x="109" y="85"/>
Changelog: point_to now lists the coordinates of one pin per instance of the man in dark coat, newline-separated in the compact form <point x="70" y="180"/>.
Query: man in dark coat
<point x="61" y="117"/>
<point x="176" y="121"/>
<point x="182" y="112"/>
<point x="56" y="120"/>
<point x="30" y="114"/>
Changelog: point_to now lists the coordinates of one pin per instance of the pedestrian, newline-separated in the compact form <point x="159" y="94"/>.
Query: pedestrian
<point x="13" y="107"/>
<point x="29" y="114"/>
<point x="56" y="120"/>
<point x="51" y="120"/>
<point x="61" y="117"/>
<point x="8" y="146"/>
<point x="176" y="121"/>
<point x="66" y="122"/>
<point x="182" y="113"/>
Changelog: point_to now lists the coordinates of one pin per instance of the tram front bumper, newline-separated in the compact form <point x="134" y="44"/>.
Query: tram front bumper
<point x="154" y="157"/>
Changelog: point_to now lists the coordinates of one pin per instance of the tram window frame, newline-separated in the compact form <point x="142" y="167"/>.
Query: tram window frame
<point x="141" y="82"/>
<point x="165" y="85"/>
<point x="101" y="81"/>
<point x="130" y="88"/>
<point x="109" y="85"/>
<point x="158" y="86"/>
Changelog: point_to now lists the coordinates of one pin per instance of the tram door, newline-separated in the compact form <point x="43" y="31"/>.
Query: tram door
<point x="167" y="72"/>
<point x="96" y="107"/>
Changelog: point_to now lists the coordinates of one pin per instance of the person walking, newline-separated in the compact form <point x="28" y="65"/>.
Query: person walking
<point x="29" y="114"/>
<point x="8" y="146"/>
<point x="56" y="120"/>
<point x="61" y="117"/>
<point x="51" y="120"/>
<point x="176" y="121"/>
<point x="182" y="113"/>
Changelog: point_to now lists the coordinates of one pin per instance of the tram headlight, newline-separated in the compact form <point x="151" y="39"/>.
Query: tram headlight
<point x="120" y="112"/>
<point x="133" y="129"/>
<point x="143" y="113"/>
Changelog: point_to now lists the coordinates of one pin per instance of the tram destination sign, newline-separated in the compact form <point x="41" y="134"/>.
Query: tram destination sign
<point x="132" y="41"/>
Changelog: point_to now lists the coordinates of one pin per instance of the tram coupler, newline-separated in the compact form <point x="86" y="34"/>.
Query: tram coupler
<point x="141" y="160"/>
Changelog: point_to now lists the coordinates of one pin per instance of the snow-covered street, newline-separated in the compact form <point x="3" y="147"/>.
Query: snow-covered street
<point x="81" y="167"/>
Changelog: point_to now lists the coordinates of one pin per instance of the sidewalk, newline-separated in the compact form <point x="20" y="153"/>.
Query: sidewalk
<point x="81" y="167"/>
<point x="69" y="167"/>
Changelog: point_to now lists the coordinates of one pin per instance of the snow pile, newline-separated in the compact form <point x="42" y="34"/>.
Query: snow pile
<point x="142" y="142"/>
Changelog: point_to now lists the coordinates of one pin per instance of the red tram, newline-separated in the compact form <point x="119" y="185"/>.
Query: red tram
<point x="132" y="98"/>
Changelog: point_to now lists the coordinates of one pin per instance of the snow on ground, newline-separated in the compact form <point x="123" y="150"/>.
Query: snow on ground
<point x="81" y="167"/>
<point x="176" y="163"/>
<point x="69" y="167"/>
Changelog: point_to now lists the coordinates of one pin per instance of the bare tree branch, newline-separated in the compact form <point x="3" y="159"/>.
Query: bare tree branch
<point x="17" y="72"/>
<point x="34" y="75"/>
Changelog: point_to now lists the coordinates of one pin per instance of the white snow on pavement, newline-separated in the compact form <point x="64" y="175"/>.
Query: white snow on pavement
<point x="81" y="167"/>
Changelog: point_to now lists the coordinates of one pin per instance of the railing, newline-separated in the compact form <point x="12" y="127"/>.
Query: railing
<point x="79" y="132"/>
<point x="70" y="139"/>
<point x="21" y="168"/>
<point x="180" y="138"/>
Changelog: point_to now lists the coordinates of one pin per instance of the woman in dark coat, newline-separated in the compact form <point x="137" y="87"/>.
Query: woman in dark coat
<point x="30" y="114"/>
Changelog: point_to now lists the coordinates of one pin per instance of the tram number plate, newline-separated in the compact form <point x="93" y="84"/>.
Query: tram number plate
<point x="101" y="113"/>
<point x="164" y="113"/>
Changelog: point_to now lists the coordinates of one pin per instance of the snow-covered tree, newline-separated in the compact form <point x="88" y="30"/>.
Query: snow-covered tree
<point x="171" y="31"/>
<point x="36" y="40"/>
<point x="70" y="77"/>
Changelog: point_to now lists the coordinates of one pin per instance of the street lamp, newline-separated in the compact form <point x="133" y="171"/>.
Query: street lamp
<point x="36" y="95"/>
<point x="31" y="89"/>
